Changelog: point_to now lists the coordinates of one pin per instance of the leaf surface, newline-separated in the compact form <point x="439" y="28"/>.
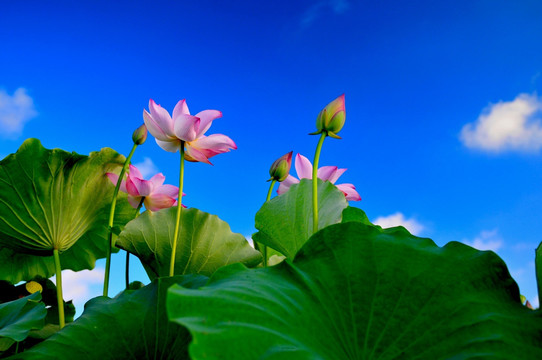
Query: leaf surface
<point x="55" y="199"/>
<point x="134" y="325"/>
<point x="355" y="291"/>
<point x="285" y="222"/>
<point x="205" y="244"/>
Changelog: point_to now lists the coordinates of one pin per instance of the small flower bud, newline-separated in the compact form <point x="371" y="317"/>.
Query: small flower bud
<point x="140" y="135"/>
<point x="281" y="167"/>
<point x="331" y="119"/>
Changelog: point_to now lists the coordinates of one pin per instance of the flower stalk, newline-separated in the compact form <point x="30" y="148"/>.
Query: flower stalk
<point x="127" y="253"/>
<point x="264" y="247"/>
<point x="315" y="182"/>
<point x="178" y="218"/>
<point x="112" y="217"/>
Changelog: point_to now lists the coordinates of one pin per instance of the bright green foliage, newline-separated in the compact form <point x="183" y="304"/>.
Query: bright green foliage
<point x="18" y="317"/>
<point x="134" y="325"/>
<point x="205" y="244"/>
<point x="355" y="291"/>
<point x="285" y="222"/>
<point x="55" y="199"/>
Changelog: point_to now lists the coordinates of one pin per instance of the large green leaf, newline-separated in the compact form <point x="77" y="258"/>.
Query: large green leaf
<point x="355" y="291"/>
<point x="205" y="244"/>
<point x="134" y="325"/>
<point x="285" y="222"/>
<point x="55" y="199"/>
<point x="18" y="317"/>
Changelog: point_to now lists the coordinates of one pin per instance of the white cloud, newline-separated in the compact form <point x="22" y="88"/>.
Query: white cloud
<point x="319" y="8"/>
<point x="77" y="286"/>
<point x="15" y="111"/>
<point x="487" y="240"/>
<point x="398" y="219"/>
<point x="146" y="167"/>
<point x="507" y="126"/>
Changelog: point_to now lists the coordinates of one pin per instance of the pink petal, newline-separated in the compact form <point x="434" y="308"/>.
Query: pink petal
<point x="326" y="172"/>
<point x="349" y="191"/>
<point x="153" y="127"/>
<point x="213" y="145"/>
<point x="170" y="145"/>
<point x="180" y="109"/>
<point x="336" y="175"/>
<point x="134" y="200"/>
<point x="156" y="202"/>
<point x="144" y="187"/>
<point x="131" y="189"/>
<point x="161" y="118"/>
<point x="194" y="155"/>
<point x="169" y="190"/>
<point x="114" y="179"/>
<point x="186" y="127"/>
<point x="157" y="180"/>
<point x="207" y="117"/>
<point x="303" y="167"/>
<point x="285" y="185"/>
<point x="135" y="173"/>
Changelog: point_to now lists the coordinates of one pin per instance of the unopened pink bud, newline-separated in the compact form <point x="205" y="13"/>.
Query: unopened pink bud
<point x="281" y="167"/>
<point x="140" y="135"/>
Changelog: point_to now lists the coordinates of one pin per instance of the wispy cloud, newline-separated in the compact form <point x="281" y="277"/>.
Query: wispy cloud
<point x="507" y="126"/>
<point x="321" y="7"/>
<point x="486" y="240"/>
<point x="398" y="219"/>
<point x="81" y="286"/>
<point x="15" y="111"/>
<point x="146" y="167"/>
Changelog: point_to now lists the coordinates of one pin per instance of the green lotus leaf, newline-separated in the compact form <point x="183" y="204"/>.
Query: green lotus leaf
<point x="206" y="243"/>
<point x="355" y="291"/>
<point x="18" y="317"/>
<point x="134" y="325"/>
<point x="285" y="222"/>
<point x="55" y="199"/>
<point x="355" y="214"/>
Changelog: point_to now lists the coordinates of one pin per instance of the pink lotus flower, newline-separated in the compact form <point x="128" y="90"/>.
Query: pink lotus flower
<point x="155" y="195"/>
<point x="303" y="167"/>
<point x="170" y="131"/>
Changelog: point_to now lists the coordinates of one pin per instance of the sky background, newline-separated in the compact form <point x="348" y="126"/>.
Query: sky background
<point x="443" y="129"/>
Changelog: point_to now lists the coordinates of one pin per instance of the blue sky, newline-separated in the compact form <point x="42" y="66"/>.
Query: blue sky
<point x="443" y="130"/>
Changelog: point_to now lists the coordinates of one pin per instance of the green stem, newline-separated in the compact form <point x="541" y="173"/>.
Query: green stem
<point x="59" y="298"/>
<point x="315" y="182"/>
<point x="17" y="348"/>
<point x="178" y="220"/>
<point x="127" y="253"/>
<point x="111" y="218"/>
<point x="264" y="248"/>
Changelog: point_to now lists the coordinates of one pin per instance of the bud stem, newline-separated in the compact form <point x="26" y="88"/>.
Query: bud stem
<point x="264" y="248"/>
<point x="315" y="182"/>
<point x="127" y="253"/>
<point x="178" y="220"/>
<point x="112" y="217"/>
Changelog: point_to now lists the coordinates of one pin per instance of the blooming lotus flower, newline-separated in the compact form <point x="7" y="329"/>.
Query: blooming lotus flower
<point x="331" y="119"/>
<point x="170" y="131"/>
<point x="281" y="167"/>
<point x="155" y="195"/>
<point x="303" y="167"/>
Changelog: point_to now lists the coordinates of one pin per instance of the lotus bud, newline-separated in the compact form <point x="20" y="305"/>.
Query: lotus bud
<point x="140" y="135"/>
<point x="331" y="119"/>
<point x="281" y="167"/>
